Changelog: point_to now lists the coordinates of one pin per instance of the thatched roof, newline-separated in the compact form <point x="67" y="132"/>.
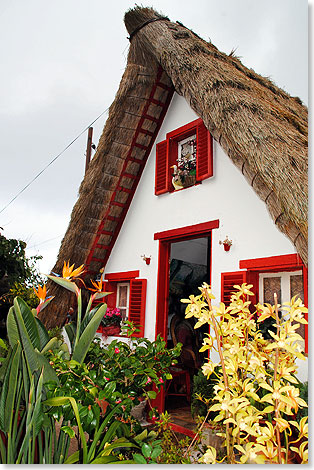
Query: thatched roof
<point x="260" y="127"/>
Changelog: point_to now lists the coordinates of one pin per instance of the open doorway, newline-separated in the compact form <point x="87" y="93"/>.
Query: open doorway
<point x="189" y="267"/>
<point x="184" y="262"/>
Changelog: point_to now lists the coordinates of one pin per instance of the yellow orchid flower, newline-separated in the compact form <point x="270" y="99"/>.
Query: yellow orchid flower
<point x="68" y="272"/>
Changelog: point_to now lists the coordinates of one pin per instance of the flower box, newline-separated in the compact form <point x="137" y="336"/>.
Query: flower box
<point x="112" y="330"/>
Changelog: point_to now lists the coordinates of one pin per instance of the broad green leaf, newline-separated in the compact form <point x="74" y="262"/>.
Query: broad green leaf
<point x="43" y="333"/>
<point x="52" y="343"/>
<point x="151" y="394"/>
<point x="71" y="286"/>
<point x="88" y="335"/>
<point x="23" y="312"/>
<point x="139" y="459"/>
<point x="146" y="450"/>
<point x="109" y="388"/>
<point x="3" y="345"/>
<point x="74" y="458"/>
<point x="8" y="392"/>
<point x="12" y="329"/>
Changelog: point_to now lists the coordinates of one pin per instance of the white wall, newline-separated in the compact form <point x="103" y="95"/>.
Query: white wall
<point x="226" y="196"/>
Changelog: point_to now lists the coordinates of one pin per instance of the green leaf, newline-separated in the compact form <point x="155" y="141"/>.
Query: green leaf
<point x="156" y="452"/>
<point x="24" y="313"/>
<point x="8" y="391"/>
<point x="12" y="329"/>
<point x="139" y="459"/>
<point x="88" y="335"/>
<point x="43" y="333"/>
<point x="141" y="436"/>
<point x="3" y="345"/>
<point x="53" y="342"/>
<point x="109" y="388"/>
<point x="146" y="450"/>
<point x="71" y="286"/>
<point x="151" y="394"/>
<point x="69" y="431"/>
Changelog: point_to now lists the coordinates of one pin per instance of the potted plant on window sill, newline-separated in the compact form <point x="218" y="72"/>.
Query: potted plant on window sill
<point x="184" y="175"/>
<point x="111" y="322"/>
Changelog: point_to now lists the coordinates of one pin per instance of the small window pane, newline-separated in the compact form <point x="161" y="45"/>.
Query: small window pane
<point x="123" y="296"/>
<point x="296" y="288"/>
<point x="271" y="286"/>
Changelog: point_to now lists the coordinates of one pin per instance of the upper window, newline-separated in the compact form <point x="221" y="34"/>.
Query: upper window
<point x="184" y="158"/>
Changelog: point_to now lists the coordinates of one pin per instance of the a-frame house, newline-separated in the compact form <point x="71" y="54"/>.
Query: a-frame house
<point x="240" y="146"/>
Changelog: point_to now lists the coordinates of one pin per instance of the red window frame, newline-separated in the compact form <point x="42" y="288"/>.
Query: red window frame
<point x="167" y="154"/>
<point x="290" y="262"/>
<point x="137" y="299"/>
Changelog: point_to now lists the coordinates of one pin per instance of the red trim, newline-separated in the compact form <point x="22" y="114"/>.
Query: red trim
<point x="124" y="276"/>
<point x="192" y="231"/>
<point x="137" y="305"/>
<point x="182" y="430"/>
<point x="272" y="262"/>
<point x="124" y="173"/>
<point x="165" y="240"/>
<point x="291" y="262"/>
<point x="184" y="131"/>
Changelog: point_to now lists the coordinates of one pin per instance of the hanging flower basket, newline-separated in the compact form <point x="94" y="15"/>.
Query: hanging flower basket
<point x="189" y="180"/>
<point x="112" y="330"/>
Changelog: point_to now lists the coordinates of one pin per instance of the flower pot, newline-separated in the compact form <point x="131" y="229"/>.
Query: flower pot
<point x="111" y="330"/>
<point x="188" y="180"/>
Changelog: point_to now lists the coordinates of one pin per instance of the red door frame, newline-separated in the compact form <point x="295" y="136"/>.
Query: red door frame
<point x="165" y="239"/>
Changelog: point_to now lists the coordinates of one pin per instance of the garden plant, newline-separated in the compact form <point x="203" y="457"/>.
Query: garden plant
<point x="52" y="393"/>
<point x="257" y="396"/>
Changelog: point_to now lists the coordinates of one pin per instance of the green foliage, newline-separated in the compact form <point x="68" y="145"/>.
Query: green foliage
<point x="18" y="274"/>
<point x="203" y="393"/>
<point x="133" y="366"/>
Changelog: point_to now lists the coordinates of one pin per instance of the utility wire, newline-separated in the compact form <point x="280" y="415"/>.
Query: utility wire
<point x="52" y="161"/>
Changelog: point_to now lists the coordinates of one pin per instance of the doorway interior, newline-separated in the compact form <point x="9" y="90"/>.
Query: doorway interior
<point x="189" y="267"/>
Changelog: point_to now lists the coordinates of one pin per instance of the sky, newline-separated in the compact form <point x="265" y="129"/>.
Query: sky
<point x="62" y="62"/>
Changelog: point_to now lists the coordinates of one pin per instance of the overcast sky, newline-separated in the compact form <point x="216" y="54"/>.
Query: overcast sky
<point x="61" y="65"/>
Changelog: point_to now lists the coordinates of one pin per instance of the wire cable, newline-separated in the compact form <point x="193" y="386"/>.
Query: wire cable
<point x="52" y="161"/>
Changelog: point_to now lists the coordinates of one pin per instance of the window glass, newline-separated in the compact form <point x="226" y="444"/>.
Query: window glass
<point x="285" y="285"/>
<point x="271" y="285"/>
<point x="123" y="299"/>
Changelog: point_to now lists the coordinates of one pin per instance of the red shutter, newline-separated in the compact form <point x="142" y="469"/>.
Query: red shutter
<point x="161" y="176"/>
<point x="111" y="299"/>
<point x="137" y="304"/>
<point x="228" y="280"/>
<point x="204" y="157"/>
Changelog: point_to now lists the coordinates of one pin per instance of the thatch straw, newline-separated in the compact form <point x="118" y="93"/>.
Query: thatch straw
<point x="261" y="128"/>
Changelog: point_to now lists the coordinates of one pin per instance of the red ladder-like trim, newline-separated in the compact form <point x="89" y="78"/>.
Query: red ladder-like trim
<point x="124" y="174"/>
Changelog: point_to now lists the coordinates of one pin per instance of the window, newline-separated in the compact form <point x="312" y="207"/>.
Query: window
<point x="286" y="275"/>
<point x="123" y="292"/>
<point x="184" y="158"/>
<point x="129" y="295"/>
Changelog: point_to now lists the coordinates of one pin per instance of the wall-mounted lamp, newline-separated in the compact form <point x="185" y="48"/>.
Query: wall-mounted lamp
<point x="146" y="259"/>
<point x="226" y="243"/>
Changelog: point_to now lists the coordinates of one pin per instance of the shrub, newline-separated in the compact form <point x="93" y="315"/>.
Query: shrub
<point x="250" y="364"/>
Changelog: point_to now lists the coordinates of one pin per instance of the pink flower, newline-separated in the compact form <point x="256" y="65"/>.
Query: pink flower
<point x="116" y="350"/>
<point x="118" y="401"/>
<point x="148" y="380"/>
<point x="106" y="378"/>
<point x="161" y="380"/>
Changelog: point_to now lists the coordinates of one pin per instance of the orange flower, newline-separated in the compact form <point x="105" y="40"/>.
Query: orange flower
<point x="68" y="272"/>
<point x="97" y="285"/>
<point x="41" y="293"/>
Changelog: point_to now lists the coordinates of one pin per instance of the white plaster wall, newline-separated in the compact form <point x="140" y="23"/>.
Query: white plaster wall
<point x="226" y="196"/>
